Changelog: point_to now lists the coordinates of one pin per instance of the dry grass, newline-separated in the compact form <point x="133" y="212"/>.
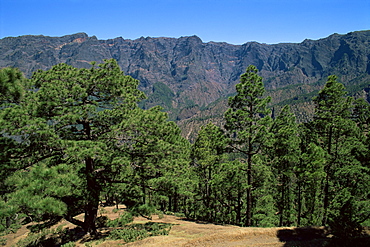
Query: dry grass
<point x="191" y="234"/>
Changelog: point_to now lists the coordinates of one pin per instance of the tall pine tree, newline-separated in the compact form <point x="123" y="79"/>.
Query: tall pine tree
<point x="342" y="140"/>
<point x="247" y="123"/>
<point x="207" y="156"/>
<point x="285" y="154"/>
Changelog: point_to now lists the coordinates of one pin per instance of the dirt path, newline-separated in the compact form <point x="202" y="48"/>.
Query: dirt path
<point x="187" y="233"/>
<point x="192" y="234"/>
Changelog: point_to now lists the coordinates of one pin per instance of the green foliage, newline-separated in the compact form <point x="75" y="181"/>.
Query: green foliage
<point x="361" y="114"/>
<point x="161" y="95"/>
<point x="81" y="130"/>
<point x="35" y="191"/>
<point x="265" y="207"/>
<point x="12" y="85"/>
<point x="129" y="234"/>
<point x="331" y="103"/>
<point x="47" y="237"/>
<point x="302" y="98"/>
<point x="10" y="221"/>
<point x="121" y="221"/>
<point x="207" y="158"/>
<point x="134" y="232"/>
<point x="310" y="174"/>
<point x="3" y="241"/>
<point x="344" y="225"/>
<point x="290" y="173"/>
<point x="285" y="156"/>
<point x="341" y="138"/>
<point x="145" y="210"/>
<point x="74" y="137"/>
<point x="69" y="244"/>
<point x="247" y="123"/>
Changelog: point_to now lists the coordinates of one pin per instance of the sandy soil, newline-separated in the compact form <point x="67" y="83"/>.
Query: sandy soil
<point x="188" y="233"/>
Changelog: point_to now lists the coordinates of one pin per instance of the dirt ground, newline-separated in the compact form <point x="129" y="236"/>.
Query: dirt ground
<point x="194" y="234"/>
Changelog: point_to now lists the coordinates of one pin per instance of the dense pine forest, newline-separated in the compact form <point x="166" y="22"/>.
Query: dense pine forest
<point x="75" y="138"/>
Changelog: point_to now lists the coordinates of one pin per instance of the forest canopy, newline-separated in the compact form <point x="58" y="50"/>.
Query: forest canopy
<point x="75" y="138"/>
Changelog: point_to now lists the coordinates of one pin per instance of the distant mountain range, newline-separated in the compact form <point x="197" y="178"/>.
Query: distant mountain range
<point x="191" y="79"/>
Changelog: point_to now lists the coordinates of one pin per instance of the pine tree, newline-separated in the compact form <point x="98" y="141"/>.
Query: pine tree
<point x="13" y="86"/>
<point x="331" y="110"/>
<point x="207" y="156"/>
<point x="157" y="154"/>
<point x="310" y="175"/>
<point x="81" y="130"/>
<point x="247" y="123"/>
<point x="285" y="154"/>
<point x="361" y="116"/>
<point x="341" y="139"/>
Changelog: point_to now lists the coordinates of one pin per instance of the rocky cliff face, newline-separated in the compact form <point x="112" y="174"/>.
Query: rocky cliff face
<point x="196" y="73"/>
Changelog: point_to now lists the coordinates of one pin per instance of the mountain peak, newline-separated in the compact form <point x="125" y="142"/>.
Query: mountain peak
<point x="198" y="73"/>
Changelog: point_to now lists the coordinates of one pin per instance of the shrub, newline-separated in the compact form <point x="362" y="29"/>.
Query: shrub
<point x="69" y="244"/>
<point x="101" y="221"/>
<point x="2" y="241"/>
<point x="128" y="234"/>
<point x="124" y="219"/>
<point x="46" y="237"/>
<point x="145" y="210"/>
<point x="136" y="232"/>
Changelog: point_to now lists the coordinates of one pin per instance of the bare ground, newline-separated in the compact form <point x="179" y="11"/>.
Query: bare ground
<point x="192" y="234"/>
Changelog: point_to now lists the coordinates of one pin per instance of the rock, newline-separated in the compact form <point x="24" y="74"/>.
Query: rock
<point x="199" y="73"/>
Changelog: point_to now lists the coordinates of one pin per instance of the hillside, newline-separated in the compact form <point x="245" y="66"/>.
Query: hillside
<point x="185" y="75"/>
<point x="78" y="140"/>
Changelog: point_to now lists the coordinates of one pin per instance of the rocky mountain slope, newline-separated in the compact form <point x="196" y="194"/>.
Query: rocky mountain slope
<point x="185" y="75"/>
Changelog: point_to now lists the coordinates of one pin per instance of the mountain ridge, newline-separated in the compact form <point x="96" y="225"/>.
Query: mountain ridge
<point x="267" y="57"/>
<point x="193" y="73"/>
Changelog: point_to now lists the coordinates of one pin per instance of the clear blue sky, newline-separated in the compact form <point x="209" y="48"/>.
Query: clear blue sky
<point x="232" y="21"/>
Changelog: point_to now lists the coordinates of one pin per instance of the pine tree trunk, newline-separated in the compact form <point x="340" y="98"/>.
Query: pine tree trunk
<point x="170" y="204"/>
<point x="282" y="201"/>
<point x="93" y="192"/>
<point x="91" y="209"/>
<point x="90" y="218"/>
<point x="175" y="203"/>
<point x="249" y="192"/>
<point x="299" y="205"/>
<point x="326" y="200"/>
<point x="239" y="208"/>
<point x="327" y="179"/>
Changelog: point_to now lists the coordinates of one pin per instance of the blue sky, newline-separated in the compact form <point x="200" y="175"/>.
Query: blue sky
<point x="231" y="21"/>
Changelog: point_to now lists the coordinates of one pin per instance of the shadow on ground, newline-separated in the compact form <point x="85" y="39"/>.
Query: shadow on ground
<point x="318" y="237"/>
<point x="55" y="237"/>
<point x="128" y="233"/>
